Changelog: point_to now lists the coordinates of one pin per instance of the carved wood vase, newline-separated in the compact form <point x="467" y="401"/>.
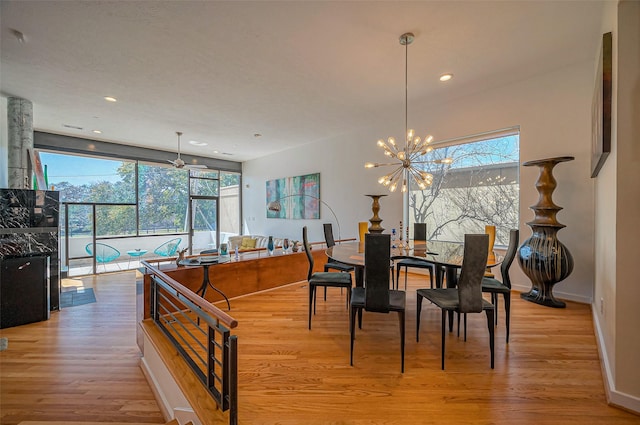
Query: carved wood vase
<point x="542" y="257"/>
<point x="375" y="220"/>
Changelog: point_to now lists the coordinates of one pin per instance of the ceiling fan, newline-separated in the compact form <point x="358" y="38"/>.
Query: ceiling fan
<point x="178" y="162"/>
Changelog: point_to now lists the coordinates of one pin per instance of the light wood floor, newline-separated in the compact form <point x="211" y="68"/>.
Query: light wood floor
<point x="82" y="365"/>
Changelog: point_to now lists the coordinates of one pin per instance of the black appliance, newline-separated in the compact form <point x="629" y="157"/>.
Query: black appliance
<point x="24" y="290"/>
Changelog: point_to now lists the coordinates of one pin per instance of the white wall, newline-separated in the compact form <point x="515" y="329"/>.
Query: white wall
<point x="617" y="208"/>
<point x="554" y="114"/>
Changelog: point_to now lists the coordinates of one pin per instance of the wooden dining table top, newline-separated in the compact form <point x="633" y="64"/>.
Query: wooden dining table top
<point x="447" y="254"/>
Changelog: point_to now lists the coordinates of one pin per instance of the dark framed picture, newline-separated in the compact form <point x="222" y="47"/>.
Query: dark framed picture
<point x="601" y="108"/>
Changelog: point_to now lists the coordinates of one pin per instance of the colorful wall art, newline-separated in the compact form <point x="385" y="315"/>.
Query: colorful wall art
<point x="294" y="197"/>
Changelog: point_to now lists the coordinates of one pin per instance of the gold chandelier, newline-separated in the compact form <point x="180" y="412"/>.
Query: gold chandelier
<point x="414" y="147"/>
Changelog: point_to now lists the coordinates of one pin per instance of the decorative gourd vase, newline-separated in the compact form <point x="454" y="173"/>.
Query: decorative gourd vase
<point x="375" y="220"/>
<point x="270" y="245"/>
<point x="542" y="257"/>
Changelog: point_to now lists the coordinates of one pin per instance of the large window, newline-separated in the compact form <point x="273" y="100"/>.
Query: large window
<point x="480" y="187"/>
<point x="163" y="199"/>
<point x="90" y="179"/>
<point x="131" y="204"/>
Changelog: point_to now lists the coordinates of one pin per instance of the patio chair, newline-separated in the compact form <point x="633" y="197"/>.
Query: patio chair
<point x="169" y="248"/>
<point x="104" y="253"/>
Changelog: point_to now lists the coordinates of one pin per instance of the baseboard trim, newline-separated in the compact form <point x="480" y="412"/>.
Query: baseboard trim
<point x="614" y="397"/>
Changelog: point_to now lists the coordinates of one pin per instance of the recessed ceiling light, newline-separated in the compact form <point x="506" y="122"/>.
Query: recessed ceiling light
<point x="216" y="151"/>
<point x="196" y="143"/>
<point x="110" y="99"/>
<point x="97" y="131"/>
<point x="446" y="77"/>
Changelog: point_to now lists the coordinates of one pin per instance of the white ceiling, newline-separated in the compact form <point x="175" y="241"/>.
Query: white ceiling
<point x="294" y="71"/>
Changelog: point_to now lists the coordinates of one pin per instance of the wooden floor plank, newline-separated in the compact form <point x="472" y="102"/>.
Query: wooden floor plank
<point x="82" y="365"/>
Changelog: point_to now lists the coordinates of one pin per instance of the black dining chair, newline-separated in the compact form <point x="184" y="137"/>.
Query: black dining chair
<point x="332" y="264"/>
<point x="420" y="235"/>
<point x="376" y="296"/>
<point x="467" y="296"/>
<point x="332" y="279"/>
<point x="495" y="287"/>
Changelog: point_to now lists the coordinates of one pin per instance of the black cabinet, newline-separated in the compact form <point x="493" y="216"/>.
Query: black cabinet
<point x="24" y="290"/>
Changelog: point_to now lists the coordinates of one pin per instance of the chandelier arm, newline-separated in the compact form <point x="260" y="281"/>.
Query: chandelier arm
<point x="393" y="176"/>
<point x="415" y="174"/>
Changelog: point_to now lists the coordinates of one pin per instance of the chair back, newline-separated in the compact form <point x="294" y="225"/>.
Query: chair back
<point x="307" y="250"/>
<point x="474" y="264"/>
<point x="377" y="257"/>
<point x="104" y="252"/>
<point x="420" y="231"/>
<point x="169" y="248"/>
<point x="328" y="235"/>
<point x="514" y="236"/>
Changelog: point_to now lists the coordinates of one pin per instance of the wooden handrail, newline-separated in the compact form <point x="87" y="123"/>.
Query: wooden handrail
<point x="205" y="305"/>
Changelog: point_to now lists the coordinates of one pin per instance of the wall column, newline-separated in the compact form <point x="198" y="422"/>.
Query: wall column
<point x="20" y="142"/>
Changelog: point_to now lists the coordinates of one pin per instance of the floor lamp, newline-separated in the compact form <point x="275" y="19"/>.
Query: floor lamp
<point x="276" y="206"/>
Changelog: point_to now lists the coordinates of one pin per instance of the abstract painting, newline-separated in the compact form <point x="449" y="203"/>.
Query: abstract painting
<point x="299" y="197"/>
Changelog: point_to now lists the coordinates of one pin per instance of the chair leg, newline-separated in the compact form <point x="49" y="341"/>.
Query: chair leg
<point x="393" y="282"/>
<point x="494" y="301"/>
<point x="444" y="320"/>
<point x="314" y="300"/>
<point x="431" y="272"/>
<point x="406" y="274"/>
<point x="312" y="290"/>
<point x="398" y="274"/>
<point x="465" y="327"/>
<point x="418" y="311"/>
<point x="359" y="318"/>
<point x="401" y="318"/>
<point x="325" y="294"/>
<point x="490" y="321"/>
<point x="507" y="311"/>
<point x="352" y="331"/>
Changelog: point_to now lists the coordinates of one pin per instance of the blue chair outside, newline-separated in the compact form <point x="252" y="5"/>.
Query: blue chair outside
<point x="169" y="248"/>
<point x="104" y="253"/>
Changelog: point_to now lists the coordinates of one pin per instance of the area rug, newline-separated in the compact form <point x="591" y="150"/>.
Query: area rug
<point x="77" y="297"/>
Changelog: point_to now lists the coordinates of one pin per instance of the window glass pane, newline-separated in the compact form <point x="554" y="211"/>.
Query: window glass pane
<point x="116" y="220"/>
<point x="80" y="222"/>
<point x="163" y="199"/>
<point x="204" y="223"/>
<point x="204" y="187"/>
<point x="229" y="205"/>
<point x="480" y="187"/>
<point x="90" y="179"/>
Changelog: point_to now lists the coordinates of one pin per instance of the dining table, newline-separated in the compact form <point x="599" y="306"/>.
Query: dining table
<point x="446" y="256"/>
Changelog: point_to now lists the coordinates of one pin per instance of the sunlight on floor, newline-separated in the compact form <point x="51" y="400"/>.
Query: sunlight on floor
<point x="71" y="284"/>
